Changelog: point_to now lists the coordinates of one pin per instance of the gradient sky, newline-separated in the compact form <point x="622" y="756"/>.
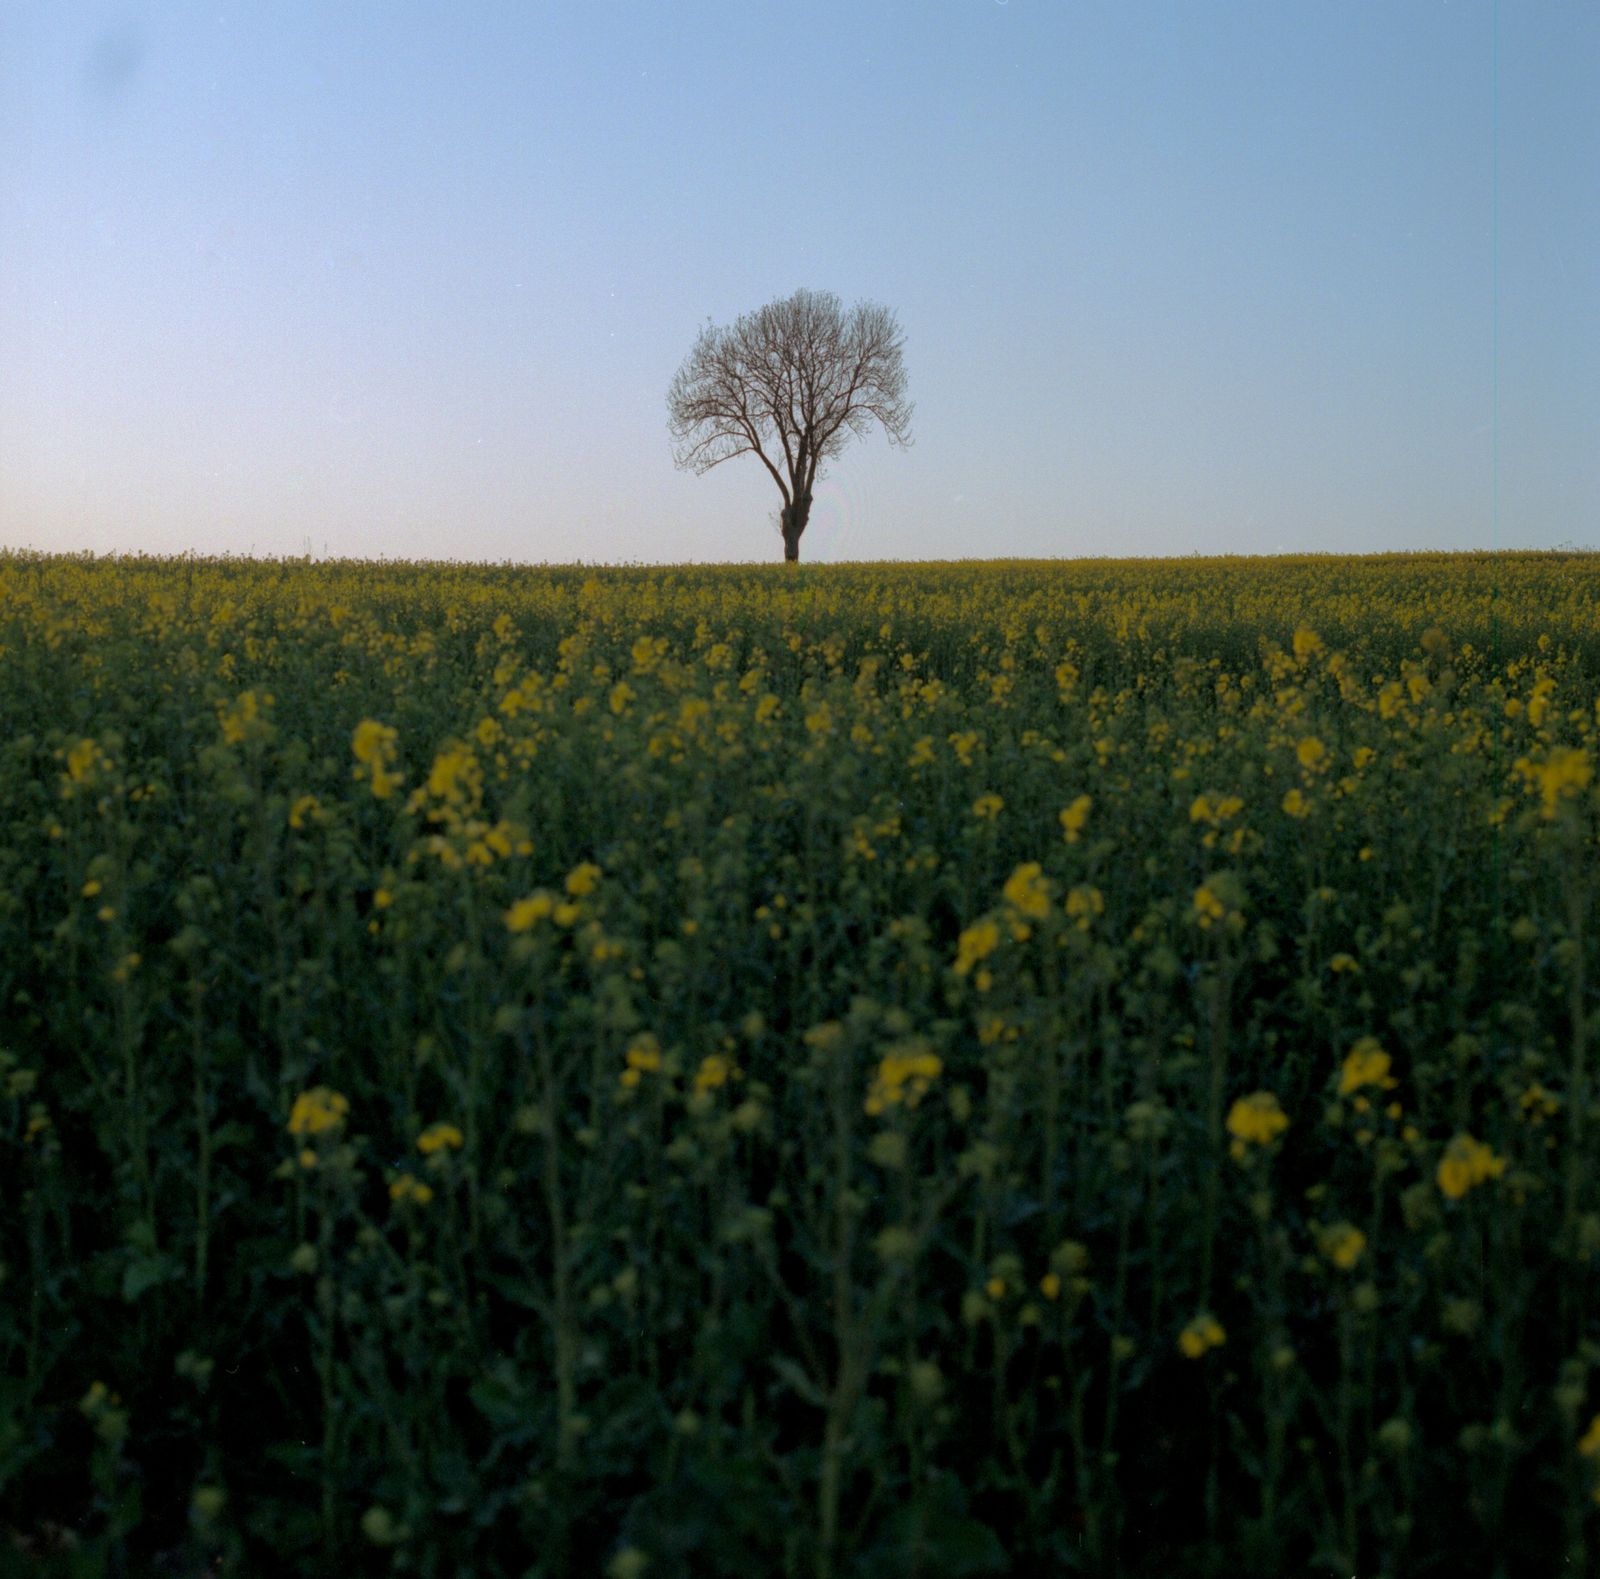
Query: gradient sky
<point x="410" y="280"/>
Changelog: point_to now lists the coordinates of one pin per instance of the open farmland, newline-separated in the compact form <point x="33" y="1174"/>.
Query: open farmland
<point x="867" y="1070"/>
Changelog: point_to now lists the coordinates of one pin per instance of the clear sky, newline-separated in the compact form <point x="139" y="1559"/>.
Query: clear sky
<point x="1175" y="276"/>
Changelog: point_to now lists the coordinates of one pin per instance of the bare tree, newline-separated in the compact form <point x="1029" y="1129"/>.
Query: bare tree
<point x="790" y="384"/>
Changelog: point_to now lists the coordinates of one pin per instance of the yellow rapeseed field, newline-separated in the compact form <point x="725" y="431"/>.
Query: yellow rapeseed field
<point x="981" y="1068"/>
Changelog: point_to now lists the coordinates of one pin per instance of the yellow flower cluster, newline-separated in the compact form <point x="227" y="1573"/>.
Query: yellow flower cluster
<point x="375" y="747"/>
<point x="1467" y="1162"/>
<point x="1257" y="1120"/>
<point x="436" y="1137"/>
<point x="1366" y="1064"/>
<point x="1027" y="890"/>
<point x="976" y="943"/>
<point x="643" y="1057"/>
<point x="1560" y="774"/>
<point x="1342" y="1244"/>
<point x="903" y="1078"/>
<point x="246" y="717"/>
<point x="1075" y="817"/>
<point x="715" y="1071"/>
<point x="1203" y="1333"/>
<point x="317" y="1111"/>
<point x="525" y="914"/>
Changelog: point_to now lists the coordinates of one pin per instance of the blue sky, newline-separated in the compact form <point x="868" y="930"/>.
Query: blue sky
<point x="1175" y="277"/>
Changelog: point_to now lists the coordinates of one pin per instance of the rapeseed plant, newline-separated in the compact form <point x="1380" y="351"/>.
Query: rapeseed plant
<point x="805" y="1125"/>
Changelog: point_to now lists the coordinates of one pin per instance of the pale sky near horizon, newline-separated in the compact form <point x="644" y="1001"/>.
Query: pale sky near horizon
<point x="410" y="280"/>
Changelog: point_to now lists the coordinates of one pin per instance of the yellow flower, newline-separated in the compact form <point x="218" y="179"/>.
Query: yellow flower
<point x="644" y="1052"/>
<point x="455" y="776"/>
<point x="1028" y="891"/>
<point x="407" y="1188"/>
<point x="1342" y="1244"/>
<point x="374" y="747"/>
<point x="1467" y="1162"/>
<point x="1203" y="808"/>
<point x="1366" y="1065"/>
<point x="1296" y="805"/>
<point x="1074" y="817"/>
<point x="437" y="1136"/>
<point x="1589" y="1442"/>
<point x="371" y="741"/>
<point x="81" y="761"/>
<point x="715" y="1070"/>
<point x="1050" y="1285"/>
<point x="582" y="878"/>
<point x="243" y="720"/>
<point x="1307" y="644"/>
<point x="995" y="1288"/>
<point x="903" y="1076"/>
<point x="1084" y="904"/>
<point x="975" y="943"/>
<point x="525" y="913"/>
<point x="317" y="1110"/>
<point x="1312" y="754"/>
<point x="1538" y="1104"/>
<point x="987" y="807"/>
<point x="1560" y="775"/>
<point x="1257" y="1118"/>
<point x="1204" y="1332"/>
<point x="1207" y="907"/>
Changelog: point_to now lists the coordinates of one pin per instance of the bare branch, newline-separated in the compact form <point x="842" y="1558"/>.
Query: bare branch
<point x="798" y="378"/>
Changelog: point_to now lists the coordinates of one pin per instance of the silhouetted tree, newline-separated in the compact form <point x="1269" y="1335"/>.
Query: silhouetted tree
<point x="796" y="378"/>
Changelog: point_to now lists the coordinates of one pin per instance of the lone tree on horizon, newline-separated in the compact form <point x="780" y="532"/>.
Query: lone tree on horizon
<point x="797" y="378"/>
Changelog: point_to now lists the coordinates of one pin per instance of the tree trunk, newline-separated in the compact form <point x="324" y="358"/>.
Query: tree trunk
<point x="793" y="522"/>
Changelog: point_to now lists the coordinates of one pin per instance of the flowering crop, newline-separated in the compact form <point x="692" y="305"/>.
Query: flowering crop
<point x="992" y="1067"/>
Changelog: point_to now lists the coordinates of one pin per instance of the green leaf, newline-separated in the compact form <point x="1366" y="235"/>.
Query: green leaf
<point x="798" y="1381"/>
<point x="144" y="1272"/>
<point x="501" y="1398"/>
<point x="937" y="1537"/>
<point x="233" y="1133"/>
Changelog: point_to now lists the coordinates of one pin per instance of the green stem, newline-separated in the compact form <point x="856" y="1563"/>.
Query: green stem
<point x="1217" y="1036"/>
<point x="1577" y="1076"/>
<point x="326" y="1309"/>
<point x="842" y="1402"/>
<point x="1346" y="1404"/>
<point x="203" y="1127"/>
<point x="565" y="1336"/>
